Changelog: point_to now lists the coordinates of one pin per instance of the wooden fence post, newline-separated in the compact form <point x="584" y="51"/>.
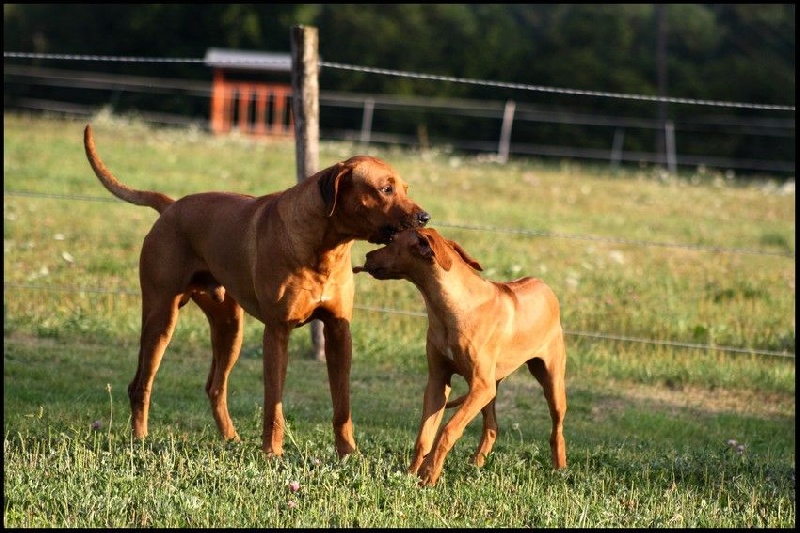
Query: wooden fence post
<point x="504" y="145"/>
<point x="366" y="120"/>
<point x="305" y="108"/>
<point x="669" y="142"/>
<point x="616" y="147"/>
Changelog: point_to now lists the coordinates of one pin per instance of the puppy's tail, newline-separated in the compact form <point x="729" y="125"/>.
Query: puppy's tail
<point x="455" y="403"/>
<point x="153" y="199"/>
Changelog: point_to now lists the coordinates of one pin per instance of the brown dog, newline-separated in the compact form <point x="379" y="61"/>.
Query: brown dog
<point x="284" y="258"/>
<point x="482" y="330"/>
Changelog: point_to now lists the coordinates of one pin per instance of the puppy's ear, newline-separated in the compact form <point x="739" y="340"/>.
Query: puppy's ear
<point x="433" y="247"/>
<point x="329" y="185"/>
<point x="465" y="256"/>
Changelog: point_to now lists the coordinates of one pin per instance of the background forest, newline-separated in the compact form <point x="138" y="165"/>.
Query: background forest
<point x="716" y="52"/>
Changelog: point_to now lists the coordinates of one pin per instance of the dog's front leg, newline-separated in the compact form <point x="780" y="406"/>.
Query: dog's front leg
<point x="338" y="358"/>
<point x="275" y="346"/>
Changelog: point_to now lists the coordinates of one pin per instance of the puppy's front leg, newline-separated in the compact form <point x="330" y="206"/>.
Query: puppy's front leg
<point x="481" y="393"/>
<point x="436" y="392"/>
<point x="489" y="434"/>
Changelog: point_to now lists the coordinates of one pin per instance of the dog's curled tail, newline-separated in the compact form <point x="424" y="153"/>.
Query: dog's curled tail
<point x="156" y="200"/>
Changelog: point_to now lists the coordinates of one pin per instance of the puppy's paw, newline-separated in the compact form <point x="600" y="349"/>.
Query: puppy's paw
<point x="427" y="474"/>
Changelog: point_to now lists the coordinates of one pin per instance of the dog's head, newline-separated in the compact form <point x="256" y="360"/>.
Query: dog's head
<point x="368" y="199"/>
<point x="412" y="251"/>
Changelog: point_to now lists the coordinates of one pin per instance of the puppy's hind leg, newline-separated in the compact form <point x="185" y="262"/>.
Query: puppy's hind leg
<point x="551" y="376"/>
<point x="226" y="320"/>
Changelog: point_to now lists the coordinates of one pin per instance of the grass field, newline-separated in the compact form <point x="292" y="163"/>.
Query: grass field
<point x="677" y="294"/>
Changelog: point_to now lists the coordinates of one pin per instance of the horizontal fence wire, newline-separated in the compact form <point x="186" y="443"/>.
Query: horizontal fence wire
<point x="451" y="79"/>
<point x="780" y="128"/>
<point x="388" y="310"/>
<point x="405" y="74"/>
<point x="492" y="229"/>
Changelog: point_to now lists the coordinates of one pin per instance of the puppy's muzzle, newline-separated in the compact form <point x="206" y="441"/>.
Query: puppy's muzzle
<point x="374" y="271"/>
<point x="372" y="267"/>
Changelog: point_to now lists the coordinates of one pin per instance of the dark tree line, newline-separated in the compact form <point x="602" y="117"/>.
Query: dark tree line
<point x="722" y="52"/>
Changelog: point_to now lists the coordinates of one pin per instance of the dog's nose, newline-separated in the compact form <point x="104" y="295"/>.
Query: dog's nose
<point x="423" y="217"/>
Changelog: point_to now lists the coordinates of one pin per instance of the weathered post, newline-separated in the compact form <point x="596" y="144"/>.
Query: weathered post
<point x="504" y="147"/>
<point x="305" y="107"/>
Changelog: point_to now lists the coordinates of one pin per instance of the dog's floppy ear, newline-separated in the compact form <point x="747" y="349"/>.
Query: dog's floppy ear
<point x="465" y="256"/>
<point x="433" y="247"/>
<point x="329" y="185"/>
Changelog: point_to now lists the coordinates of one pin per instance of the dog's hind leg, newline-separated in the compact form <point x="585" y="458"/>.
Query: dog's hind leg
<point x="226" y="319"/>
<point x="159" y="316"/>
<point x="551" y="376"/>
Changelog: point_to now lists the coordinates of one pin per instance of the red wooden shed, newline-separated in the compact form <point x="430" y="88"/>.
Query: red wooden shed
<point x="251" y="92"/>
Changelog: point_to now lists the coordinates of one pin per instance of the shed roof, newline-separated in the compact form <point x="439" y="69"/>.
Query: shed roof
<point x="248" y="60"/>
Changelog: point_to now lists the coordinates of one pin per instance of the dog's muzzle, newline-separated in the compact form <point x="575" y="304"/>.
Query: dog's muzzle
<point x="422" y="218"/>
<point x="387" y="233"/>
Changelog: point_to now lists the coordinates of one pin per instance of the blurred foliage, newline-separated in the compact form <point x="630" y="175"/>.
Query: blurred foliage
<point x="722" y="52"/>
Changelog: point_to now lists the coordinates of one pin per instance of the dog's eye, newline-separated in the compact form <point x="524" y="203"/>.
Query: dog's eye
<point x="388" y="189"/>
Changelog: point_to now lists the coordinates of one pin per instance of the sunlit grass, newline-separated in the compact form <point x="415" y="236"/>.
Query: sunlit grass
<point x="652" y="405"/>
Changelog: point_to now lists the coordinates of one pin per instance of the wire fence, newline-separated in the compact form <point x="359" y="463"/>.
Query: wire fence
<point x="386" y="310"/>
<point x="521" y="231"/>
<point x="523" y="115"/>
<point x="405" y="74"/>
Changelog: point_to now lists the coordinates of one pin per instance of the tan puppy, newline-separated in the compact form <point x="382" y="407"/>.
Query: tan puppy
<point x="284" y="258"/>
<point x="482" y="330"/>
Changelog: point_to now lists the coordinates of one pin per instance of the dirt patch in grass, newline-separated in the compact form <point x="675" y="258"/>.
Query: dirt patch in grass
<point x="522" y="391"/>
<point x="711" y="401"/>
